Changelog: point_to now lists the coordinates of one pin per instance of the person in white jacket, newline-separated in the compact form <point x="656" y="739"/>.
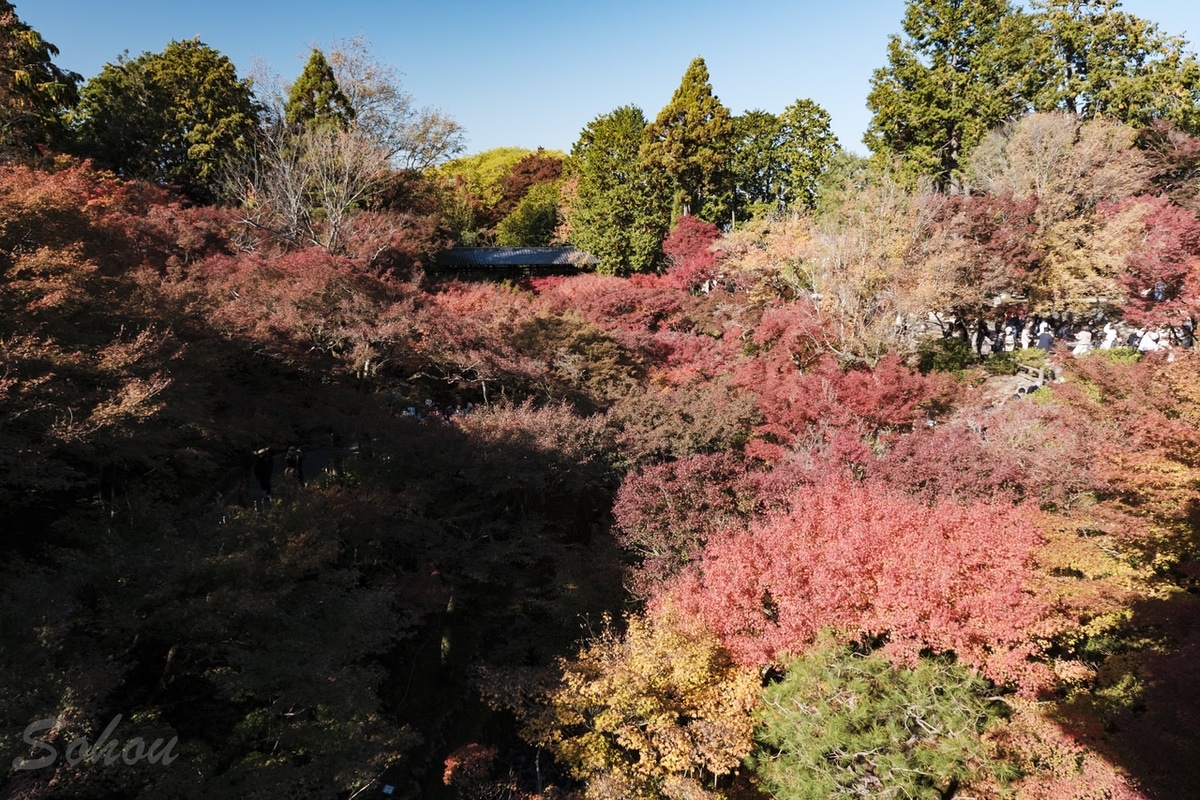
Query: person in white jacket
<point x="1083" y="342"/>
<point x="1110" y="336"/>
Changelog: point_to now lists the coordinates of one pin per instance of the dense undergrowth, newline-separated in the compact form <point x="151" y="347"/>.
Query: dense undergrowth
<point x="681" y="544"/>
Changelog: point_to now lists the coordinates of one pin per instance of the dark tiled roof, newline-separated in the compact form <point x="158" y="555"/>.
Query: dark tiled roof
<point x="516" y="257"/>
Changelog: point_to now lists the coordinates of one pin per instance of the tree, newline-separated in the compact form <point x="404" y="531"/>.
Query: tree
<point x="660" y="711"/>
<point x="976" y="247"/>
<point x="35" y="94"/>
<point x="870" y="562"/>
<point x="811" y="403"/>
<point x="316" y="99"/>
<point x="708" y="413"/>
<point x="83" y="365"/>
<point x="778" y="161"/>
<point x="324" y="170"/>
<point x="665" y="512"/>
<point x="620" y="212"/>
<point x="305" y="189"/>
<point x="688" y="248"/>
<point x="848" y="723"/>
<point x="807" y="150"/>
<point x="474" y="191"/>
<point x="534" y="169"/>
<point x="1173" y="158"/>
<point x="415" y="138"/>
<point x="757" y="173"/>
<point x="533" y="222"/>
<point x="530" y="196"/>
<point x="1093" y="60"/>
<point x="953" y="77"/>
<point x="690" y="142"/>
<point x="1071" y="167"/>
<point x="850" y="276"/>
<point x="171" y="118"/>
<point x="1161" y="273"/>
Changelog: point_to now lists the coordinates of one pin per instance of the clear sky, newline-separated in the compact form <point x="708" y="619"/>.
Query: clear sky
<point x="530" y="73"/>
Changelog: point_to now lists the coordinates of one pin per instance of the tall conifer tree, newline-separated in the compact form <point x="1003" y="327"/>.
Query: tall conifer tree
<point x="691" y="143"/>
<point x="954" y="75"/>
<point x="1093" y="59"/>
<point x="777" y="161"/>
<point x="621" y="210"/>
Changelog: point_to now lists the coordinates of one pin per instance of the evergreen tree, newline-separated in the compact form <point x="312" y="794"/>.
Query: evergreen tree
<point x="807" y="146"/>
<point x="34" y="93"/>
<point x="777" y="161"/>
<point x="690" y="142"/>
<point x="956" y="74"/>
<point x="316" y="98"/>
<point x="757" y="173"/>
<point x="1093" y="59"/>
<point x="169" y="118"/>
<point x="845" y="723"/>
<point x="621" y="211"/>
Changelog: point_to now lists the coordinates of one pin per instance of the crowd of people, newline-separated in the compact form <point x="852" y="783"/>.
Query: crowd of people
<point x="430" y="411"/>
<point x="1019" y="331"/>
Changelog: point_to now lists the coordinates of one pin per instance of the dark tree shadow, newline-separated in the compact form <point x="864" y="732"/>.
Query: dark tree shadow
<point x="1155" y="736"/>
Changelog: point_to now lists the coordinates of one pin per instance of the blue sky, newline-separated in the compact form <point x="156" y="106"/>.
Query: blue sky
<point x="534" y="72"/>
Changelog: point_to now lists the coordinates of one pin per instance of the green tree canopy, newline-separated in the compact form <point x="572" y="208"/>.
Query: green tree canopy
<point x="954" y="75"/>
<point x="757" y="173"/>
<point x="845" y="724"/>
<point x="169" y="118"/>
<point x="777" y="161"/>
<point x="807" y="150"/>
<point x="690" y="142"/>
<point x="965" y="66"/>
<point x="34" y="93"/>
<point x="621" y="210"/>
<point x="533" y="222"/>
<point x="316" y="98"/>
<point x="1093" y="59"/>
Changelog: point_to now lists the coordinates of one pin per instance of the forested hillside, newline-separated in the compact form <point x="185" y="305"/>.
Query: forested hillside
<point x="830" y="480"/>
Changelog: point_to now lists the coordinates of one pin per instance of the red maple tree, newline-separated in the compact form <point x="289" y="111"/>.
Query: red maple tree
<point x="871" y="562"/>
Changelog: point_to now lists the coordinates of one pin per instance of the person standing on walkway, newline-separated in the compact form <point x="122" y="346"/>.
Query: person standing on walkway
<point x="294" y="464"/>
<point x="1045" y="339"/>
<point x="264" y="468"/>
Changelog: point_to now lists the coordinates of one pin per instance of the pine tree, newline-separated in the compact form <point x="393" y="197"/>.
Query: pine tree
<point x="316" y="98"/>
<point x="846" y="723"/>
<point x="691" y="143"/>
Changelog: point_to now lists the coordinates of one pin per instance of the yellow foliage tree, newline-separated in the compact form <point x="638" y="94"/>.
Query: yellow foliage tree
<point x="659" y="711"/>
